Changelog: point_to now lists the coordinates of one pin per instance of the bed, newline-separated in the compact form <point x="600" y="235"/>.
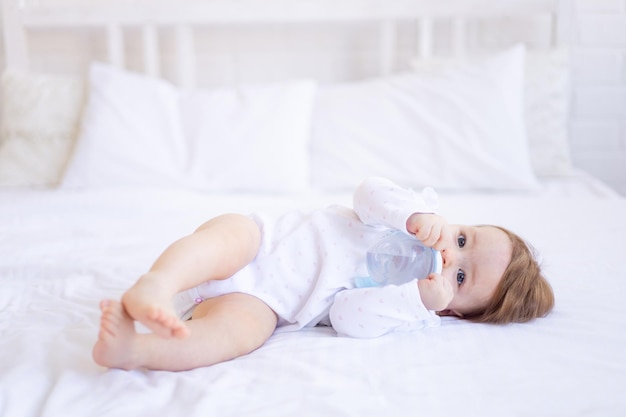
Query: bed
<point x="102" y="168"/>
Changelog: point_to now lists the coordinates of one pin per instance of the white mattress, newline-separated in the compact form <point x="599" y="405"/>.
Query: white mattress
<point x="63" y="251"/>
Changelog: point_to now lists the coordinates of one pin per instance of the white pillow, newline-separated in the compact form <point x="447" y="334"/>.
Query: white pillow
<point x="142" y="131"/>
<point x="546" y="106"/>
<point x="462" y="128"/>
<point x="251" y="138"/>
<point x="131" y="133"/>
<point x="40" y="119"/>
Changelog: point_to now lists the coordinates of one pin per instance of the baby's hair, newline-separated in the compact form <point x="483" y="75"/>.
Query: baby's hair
<point x="523" y="293"/>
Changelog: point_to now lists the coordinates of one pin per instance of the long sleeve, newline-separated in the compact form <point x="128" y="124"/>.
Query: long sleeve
<point x="379" y="201"/>
<point x="373" y="312"/>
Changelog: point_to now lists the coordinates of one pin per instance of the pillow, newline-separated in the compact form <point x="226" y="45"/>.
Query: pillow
<point x="40" y="119"/>
<point x="130" y="134"/>
<point x="251" y="138"/>
<point x="143" y="131"/>
<point x="546" y="107"/>
<point x="547" y="112"/>
<point x="460" y="129"/>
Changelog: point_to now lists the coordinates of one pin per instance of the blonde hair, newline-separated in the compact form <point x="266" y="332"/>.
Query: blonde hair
<point x="522" y="294"/>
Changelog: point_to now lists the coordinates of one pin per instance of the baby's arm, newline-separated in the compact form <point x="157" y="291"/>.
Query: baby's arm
<point x="379" y="201"/>
<point x="373" y="312"/>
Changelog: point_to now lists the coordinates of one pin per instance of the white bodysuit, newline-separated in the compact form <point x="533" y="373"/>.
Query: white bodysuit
<point x="308" y="260"/>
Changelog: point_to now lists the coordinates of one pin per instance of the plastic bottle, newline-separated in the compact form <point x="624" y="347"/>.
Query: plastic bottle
<point x="398" y="258"/>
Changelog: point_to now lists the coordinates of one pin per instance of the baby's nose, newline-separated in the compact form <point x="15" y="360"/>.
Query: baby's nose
<point x="448" y="257"/>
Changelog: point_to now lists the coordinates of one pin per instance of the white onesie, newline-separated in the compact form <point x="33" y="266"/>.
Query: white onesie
<point x="307" y="262"/>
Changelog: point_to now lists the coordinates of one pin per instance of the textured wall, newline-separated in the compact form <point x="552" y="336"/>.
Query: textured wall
<point x="598" y="120"/>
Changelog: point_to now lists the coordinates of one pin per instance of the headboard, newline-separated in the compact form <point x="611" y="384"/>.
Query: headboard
<point x="404" y="28"/>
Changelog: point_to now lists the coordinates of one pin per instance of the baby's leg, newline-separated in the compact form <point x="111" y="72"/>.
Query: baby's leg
<point x="223" y="328"/>
<point x="216" y="250"/>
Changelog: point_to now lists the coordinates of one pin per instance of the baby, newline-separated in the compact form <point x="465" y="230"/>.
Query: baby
<point x="238" y="279"/>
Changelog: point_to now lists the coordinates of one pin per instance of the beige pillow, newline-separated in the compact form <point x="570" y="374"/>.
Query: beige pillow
<point x="40" y="121"/>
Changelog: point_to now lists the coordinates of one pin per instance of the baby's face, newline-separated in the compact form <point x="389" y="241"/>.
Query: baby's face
<point x="474" y="263"/>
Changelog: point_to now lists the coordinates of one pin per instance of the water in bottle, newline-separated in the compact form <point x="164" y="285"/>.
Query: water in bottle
<point x="398" y="258"/>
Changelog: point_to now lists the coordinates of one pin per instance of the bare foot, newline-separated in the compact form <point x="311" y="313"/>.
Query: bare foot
<point x="117" y="337"/>
<point x="147" y="303"/>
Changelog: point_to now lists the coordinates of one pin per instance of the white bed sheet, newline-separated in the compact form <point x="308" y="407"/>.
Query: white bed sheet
<point x="63" y="251"/>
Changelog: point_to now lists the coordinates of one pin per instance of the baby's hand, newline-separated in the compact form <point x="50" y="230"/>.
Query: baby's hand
<point x="436" y="292"/>
<point x="430" y="228"/>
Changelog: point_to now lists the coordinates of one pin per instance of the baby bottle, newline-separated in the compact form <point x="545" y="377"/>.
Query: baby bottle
<point x="398" y="258"/>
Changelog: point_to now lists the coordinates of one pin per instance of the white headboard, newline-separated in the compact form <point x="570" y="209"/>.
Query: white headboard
<point x="147" y="19"/>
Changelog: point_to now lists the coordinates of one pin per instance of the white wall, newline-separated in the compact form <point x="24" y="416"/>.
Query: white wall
<point x="598" y="121"/>
<point x="598" y="116"/>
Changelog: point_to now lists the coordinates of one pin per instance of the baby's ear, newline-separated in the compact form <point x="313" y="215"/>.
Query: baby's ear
<point x="450" y="313"/>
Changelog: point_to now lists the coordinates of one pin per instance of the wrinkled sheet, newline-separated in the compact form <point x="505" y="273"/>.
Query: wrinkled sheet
<point x="61" y="252"/>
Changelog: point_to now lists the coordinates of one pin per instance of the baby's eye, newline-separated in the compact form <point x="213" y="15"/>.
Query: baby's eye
<point x="460" y="277"/>
<point x="461" y="241"/>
